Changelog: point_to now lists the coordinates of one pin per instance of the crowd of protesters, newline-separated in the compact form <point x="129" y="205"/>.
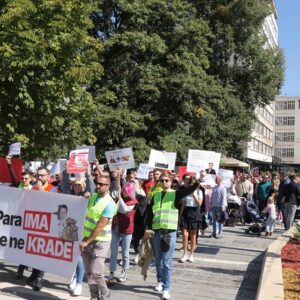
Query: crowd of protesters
<point x="123" y="208"/>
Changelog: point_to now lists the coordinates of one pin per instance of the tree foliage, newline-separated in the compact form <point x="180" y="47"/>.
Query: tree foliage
<point x="172" y="74"/>
<point x="183" y="74"/>
<point x="47" y="59"/>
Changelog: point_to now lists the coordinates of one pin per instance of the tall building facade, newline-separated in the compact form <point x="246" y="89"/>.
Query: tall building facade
<point x="287" y="133"/>
<point x="259" y="148"/>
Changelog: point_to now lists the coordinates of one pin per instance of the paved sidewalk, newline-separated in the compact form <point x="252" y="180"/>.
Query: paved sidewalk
<point x="228" y="268"/>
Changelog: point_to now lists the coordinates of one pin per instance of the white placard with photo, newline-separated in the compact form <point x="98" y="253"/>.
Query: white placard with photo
<point x="14" y="149"/>
<point x="92" y="152"/>
<point x="199" y="160"/>
<point x="120" y="158"/>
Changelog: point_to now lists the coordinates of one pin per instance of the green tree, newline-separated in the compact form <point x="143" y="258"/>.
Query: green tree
<point x="182" y="74"/>
<point x="47" y="60"/>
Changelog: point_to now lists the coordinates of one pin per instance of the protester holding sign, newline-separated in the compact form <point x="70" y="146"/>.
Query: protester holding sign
<point x="43" y="184"/>
<point x="123" y="228"/>
<point x="97" y="237"/>
<point x="78" y="188"/>
<point x="161" y="223"/>
<point x="191" y="217"/>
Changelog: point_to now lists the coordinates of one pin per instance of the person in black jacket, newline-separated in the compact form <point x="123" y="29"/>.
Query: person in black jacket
<point x="291" y="194"/>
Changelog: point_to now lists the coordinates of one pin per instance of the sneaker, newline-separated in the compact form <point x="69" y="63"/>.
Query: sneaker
<point x="123" y="276"/>
<point x="111" y="279"/>
<point x="191" y="259"/>
<point x="218" y="236"/>
<point x="159" y="287"/>
<point x="72" y="284"/>
<point x="78" y="290"/>
<point x="166" y="295"/>
<point x="183" y="259"/>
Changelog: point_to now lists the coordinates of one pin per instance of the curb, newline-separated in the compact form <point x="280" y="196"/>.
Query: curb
<point x="271" y="281"/>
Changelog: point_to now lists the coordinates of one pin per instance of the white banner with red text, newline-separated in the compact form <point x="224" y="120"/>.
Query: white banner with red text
<point x="41" y="230"/>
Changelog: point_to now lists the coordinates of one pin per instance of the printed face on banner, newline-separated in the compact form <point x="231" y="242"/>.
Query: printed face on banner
<point x="122" y="158"/>
<point x="41" y="229"/>
<point x="199" y="160"/>
<point x="78" y="161"/>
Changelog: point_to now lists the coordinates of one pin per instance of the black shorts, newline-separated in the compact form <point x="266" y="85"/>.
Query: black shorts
<point x="190" y="218"/>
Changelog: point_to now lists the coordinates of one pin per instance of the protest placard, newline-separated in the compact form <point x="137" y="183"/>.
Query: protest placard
<point x="227" y="176"/>
<point x="14" y="149"/>
<point x="92" y="152"/>
<point x="41" y="230"/>
<point x="143" y="171"/>
<point x="199" y="160"/>
<point x="255" y="172"/>
<point x="78" y="161"/>
<point x="59" y="166"/>
<point x="120" y="158"/>
<point x="162" y="159"/>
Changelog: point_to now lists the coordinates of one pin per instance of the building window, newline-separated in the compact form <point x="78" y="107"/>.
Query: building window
<point x="285" y="121"/>
<point x="285" y="105"/>
<point x="285" y="136"/>
<point x="284" y="152"/>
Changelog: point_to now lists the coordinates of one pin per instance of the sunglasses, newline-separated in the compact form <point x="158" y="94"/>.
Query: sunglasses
<point x="101" y="184"/>
<point x="164" y="180"/>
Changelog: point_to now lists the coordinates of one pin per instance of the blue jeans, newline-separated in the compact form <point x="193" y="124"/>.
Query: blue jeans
<point x="79" y="271"/>
<point x="126" y="240"/>
<point x="217" y="227"/>
<point x="163" y="260"/>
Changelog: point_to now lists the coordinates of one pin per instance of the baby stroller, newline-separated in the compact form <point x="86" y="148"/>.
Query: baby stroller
<point x="252" y="214"/>
<point x="235" y="209"/>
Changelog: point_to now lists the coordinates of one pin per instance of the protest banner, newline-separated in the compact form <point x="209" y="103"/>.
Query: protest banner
<point x="92" y="152"/>
<point x="143" y="171"/>
<point x="5" y="175"/>
<point x="209" y="180"/>
<point x="14" y="149"/>
<point x="59" y="166"/>
<point x="227" y="176"/>
<point x="41" y="230"/>
<point x="120" y="158"/>
<point x="255" y="172"/>
<point x="78" y="161"/>
<point x="199" y="160"/>
<point x="162" y="159"/>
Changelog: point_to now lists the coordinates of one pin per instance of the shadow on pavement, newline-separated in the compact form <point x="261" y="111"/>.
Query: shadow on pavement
<point x="249" y="285"/>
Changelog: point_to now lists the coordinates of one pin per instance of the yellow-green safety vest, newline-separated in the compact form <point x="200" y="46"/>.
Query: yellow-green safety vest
<point x="164" y="211"/>
<point x="94" y="214"/>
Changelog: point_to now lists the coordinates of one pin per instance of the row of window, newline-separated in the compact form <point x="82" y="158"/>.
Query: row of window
<point x="286" y="104"/>
<point x="285" y="121"/>
<point x="261" y="147"/>
<point x="285" y="136"/>
<point x="266" y="114"/>
<point x="284" y="152"/>
<point x="262" y="129"/>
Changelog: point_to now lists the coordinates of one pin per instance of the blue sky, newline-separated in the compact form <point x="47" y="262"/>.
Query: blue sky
<point x="289" y="39"/>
